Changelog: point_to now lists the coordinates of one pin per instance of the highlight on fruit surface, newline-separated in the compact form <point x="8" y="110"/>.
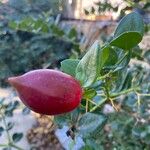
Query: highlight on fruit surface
<point x="47" y="91"/>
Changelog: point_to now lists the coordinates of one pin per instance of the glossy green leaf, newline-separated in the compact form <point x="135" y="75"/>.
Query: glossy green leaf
<point x="90" y="123"/>
<point x="88" y="67"/>
<point x="69" y="66"/>
<point x="127" y="40"/>
<point x="17" y="137"/>
<point x="131" y="22"/>
<point x="91" y="64"/>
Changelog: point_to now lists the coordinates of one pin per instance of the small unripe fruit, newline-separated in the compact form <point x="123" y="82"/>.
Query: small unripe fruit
<point x="47" y="91"/>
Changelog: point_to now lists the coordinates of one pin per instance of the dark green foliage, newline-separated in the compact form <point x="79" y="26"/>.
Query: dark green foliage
<point x="33" y="41"/>
<point x="39" y="51"/>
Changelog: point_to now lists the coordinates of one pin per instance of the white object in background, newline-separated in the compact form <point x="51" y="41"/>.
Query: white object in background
<point x="108" y="109"/>
<point x="67" y="142"/>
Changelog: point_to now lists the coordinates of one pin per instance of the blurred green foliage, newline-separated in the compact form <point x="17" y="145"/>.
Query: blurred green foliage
<point x="31" y="37"/>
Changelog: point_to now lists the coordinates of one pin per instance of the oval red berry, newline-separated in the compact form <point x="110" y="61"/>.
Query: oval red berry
<point x="48" y="91"/>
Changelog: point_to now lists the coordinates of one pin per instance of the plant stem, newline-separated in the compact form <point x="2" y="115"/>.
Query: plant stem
<point x="17" y="147"/>
<point x="144" y="94"/>
<point x="10" y="143"/>
<point x="105" y="76"/>
<point x="106" y="91"/>
<point x="138" y="101"/>
<point x="87" y="105"/>
<point x="120" y="61"/>
<point x="98" y="105"/>
<point x="3" y="145"/>
<point x="114" y="95"/>
<point x="112" y="103"/>
<point x="5" y="124"/>
<point x="91" y="102"/>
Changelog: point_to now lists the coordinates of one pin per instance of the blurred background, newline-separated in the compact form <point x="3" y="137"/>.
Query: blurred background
<point x="40" y="34"/>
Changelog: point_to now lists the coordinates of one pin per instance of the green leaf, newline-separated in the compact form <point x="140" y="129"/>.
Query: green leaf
<point x="124" y="80"/>
<point x="11" y="107"/>
<point x="131" y="22"/>
<point x="1" y="130"/>
<point x="67" y="119"/>
<point x="10" y="125"/>
<point x="69" y="66"/>
<point x="89" y="93"/>
<point x="30" y="24"/>
<point x="90" y="123"/>
<point x="17" y="137"/>
<point x="88" y="67"/>
<point x="129" y="32"/>
<point x="127" y="40"/>
<point x="124" y="57"/>
<point x="90" y="144"/>
<point x="104" y="55"/>
<point x="62" y="120"/>
<point x="113" y="58"/>
<point x="72" y="33"/>
<point x="91" y="64"/>
<point x="56" y="30"/>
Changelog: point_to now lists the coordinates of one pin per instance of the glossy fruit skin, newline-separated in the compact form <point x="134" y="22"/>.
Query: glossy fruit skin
<point x="47" y="91"/>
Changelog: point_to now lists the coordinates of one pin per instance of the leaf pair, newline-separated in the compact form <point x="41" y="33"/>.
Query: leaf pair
<point x="128" y="34"/>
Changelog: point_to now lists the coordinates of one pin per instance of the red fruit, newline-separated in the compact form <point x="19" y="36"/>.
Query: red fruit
<point x="48" y="91"/>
